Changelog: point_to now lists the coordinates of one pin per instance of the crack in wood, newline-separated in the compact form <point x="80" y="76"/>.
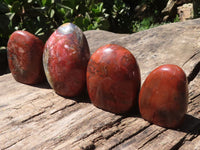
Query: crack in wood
<point x="33" y="116"/>
<point x="193" y="103"/>
<point x="195" y="96"/>
<point x="194" y="72"/>
<point x="89" y="146"/>
<point x="9" y="146"/>
<point x="111" y="134"/>
<point x="4" y="105"/>
<point x="179" y="144"/>
<point x="190" y="58"/>
<point x="111" y="124"/>
<point x="127" y="138"/>
<point x="151" y="139"/>
<point x="100" y="129"/>
<point x="62" y="108"/>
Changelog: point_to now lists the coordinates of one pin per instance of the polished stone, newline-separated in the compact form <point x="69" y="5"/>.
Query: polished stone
<point x="164" y="95"/>
<point x="25" y="57"/>
<point x="113" y="79"/>
<point x="65" y="60"/>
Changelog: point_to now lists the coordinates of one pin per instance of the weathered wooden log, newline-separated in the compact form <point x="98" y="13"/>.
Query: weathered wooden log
<point x="35" y="117"/>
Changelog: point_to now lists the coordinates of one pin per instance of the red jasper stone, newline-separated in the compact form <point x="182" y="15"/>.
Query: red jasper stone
<point x="65" y="60"/>
<point x="164" y="95"/>
<point x="25" y="57"/>
<point x="113" y="79"/>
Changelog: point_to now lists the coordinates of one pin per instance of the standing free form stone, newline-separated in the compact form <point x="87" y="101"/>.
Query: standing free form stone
<point x="65" y="59"/>
<point x="113" y="79"/>
<point x="25" y="57"/>
<point x="164" y="95"/>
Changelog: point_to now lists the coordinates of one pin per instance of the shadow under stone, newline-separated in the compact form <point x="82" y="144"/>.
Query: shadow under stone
<point x="190" y="125"/>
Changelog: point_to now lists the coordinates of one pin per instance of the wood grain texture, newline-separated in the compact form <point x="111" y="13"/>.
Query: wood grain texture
<point x="34" y="117"/>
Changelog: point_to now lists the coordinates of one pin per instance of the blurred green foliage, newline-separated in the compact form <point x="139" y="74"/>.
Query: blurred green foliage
<point x="42" y="17"/>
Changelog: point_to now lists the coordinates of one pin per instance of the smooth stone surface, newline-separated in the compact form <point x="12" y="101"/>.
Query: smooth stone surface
<point x="113" y="79"/>
<point x="25" y="57"/>
<point x="65" y="60"/>
<point x="163" y="98"/>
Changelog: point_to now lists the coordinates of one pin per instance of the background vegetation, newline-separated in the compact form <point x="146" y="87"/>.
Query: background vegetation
<point x="42" y="17"/>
